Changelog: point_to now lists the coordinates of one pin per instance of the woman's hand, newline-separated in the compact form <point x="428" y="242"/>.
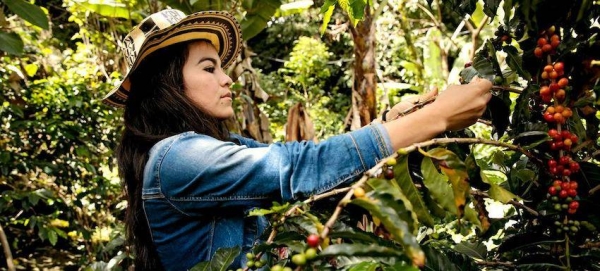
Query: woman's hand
<point x="461" y="105"/>
<point x="457" y="107"/>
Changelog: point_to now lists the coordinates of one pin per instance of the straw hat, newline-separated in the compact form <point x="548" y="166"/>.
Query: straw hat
<point x="169" y="27"/>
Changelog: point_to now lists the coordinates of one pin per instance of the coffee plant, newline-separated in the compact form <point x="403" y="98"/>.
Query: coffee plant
<point x="429" y="206"/>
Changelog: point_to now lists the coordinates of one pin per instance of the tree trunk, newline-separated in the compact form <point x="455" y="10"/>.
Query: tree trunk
<point x="7" y="253"/>
<point x="364" y="99"/>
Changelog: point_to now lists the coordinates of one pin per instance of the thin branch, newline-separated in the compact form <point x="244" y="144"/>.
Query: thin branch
<point x="581" y="146"/>
<point x="492" y="264"/>
<point x="7" y="253"/>
<point x="486" y="122"/>
<point x="590" y="245"/>
<point x="435" y="21"/>
<point x="595" y="189"/>
<point x="338" y="209"/>
<point x="513" y="90"/>
<point x="475" y="34"/>
<point x="327" y="194"/>
<point x="511" y="202"/>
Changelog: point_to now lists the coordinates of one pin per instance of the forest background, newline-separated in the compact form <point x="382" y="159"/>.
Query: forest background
<point x="312" y="69"/>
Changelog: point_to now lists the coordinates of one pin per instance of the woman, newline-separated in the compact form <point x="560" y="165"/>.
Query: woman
<point x="190" y="183"/>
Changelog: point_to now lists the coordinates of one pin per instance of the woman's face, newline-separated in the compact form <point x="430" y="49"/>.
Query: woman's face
<point x="205" y="82"/>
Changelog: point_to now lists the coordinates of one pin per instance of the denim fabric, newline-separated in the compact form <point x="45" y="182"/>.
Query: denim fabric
<point x="198" y="190"/>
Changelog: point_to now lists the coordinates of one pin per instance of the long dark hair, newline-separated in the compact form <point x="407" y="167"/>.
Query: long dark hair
<point x="155" y="109"/>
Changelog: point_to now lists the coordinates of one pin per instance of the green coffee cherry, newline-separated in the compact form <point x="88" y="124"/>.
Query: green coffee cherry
<point x="299" y="259"/>
<point x="310" y="253"/>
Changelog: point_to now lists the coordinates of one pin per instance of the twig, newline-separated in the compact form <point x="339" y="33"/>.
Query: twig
<point x="338" y="209"/>
<point x="414" y="108"/>
<point x="594" y="154"/>
<point x="486" y="122"/>
<point x="513" y="90"/>
<point x="593" y="190"/>
<point x="475" y="34"/>
<point x="327" y="194"/>
<point x="7" y="253"/>
<point x="521" y="205"/>
<point x="511" y="202"/>
<point x="486" y="263"/>
<point x="590" y="245"/>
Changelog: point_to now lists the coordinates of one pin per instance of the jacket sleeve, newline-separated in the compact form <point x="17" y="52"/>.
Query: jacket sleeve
<point x="197" y="172"/>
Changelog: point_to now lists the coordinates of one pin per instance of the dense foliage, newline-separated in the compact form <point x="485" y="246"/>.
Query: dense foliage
<point x="518" y="190"/>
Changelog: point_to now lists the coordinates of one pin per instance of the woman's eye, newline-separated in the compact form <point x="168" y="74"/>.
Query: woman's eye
<point x="210" y="69"/>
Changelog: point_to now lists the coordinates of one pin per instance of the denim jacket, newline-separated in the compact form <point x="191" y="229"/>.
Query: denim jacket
<point x="198" y="190"/>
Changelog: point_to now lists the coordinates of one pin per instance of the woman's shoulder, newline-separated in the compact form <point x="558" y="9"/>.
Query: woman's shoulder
<point x="182" y="141"/>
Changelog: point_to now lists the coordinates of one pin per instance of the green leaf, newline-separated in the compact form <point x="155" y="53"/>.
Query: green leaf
<point x="467" y="74"/>
<point x="472" y="216"/>
<point x="410" y="191"/>
<point x="519" y="241"/>
<point x="521" y="113"/>
<point x="365" y="266"/>
<point x="276" y="208"/>
<point x="524" y="174"/>
<point x="400" y="267"/>
<point x="591" y="173"/>
<point x="33" y="198"/>
<point x="52" y="237"/>
<point x="474" y="172"/>
<point x="184" y="6"/>
<point x="220" y="261"/>
<point x="540" y="266"/>
<point x="11" y="43"/>
<point x="370" y="250"/>
<point x="476" y="250"/>
<point x="460" y="187"/>
<point x="442" y="259"/>
<point x="391" y="187"/>
<point x="326" y="17"/>
<point x="257" y="17"/>
<point x="486" y="63"/>
<point x="532" y="139"/>
<point x="297" y="7"/>
<point x="327" y="5"/>
<point x="452" y="160"/>
<point x="490" y="7"/>
<point x="358" y="8"/>
<point x="394" y="216"/>
<point x="359" y="236"/>
<point x="31" y="69"/>
<point x="432" y="55"/>
<point x="110" y="9"/>
<point x="515" y="62"/>
<point x="438" y="186"/>
<point x="28" y="12"/>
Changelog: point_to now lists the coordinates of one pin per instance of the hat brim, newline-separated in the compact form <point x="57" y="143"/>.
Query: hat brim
<point x="220" y="28"/>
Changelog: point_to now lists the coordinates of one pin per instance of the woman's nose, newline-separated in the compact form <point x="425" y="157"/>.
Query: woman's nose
<point x="226" y="80"/>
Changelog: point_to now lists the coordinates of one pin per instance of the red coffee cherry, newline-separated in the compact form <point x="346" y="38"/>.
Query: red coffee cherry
<point x="313" y="240"/>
